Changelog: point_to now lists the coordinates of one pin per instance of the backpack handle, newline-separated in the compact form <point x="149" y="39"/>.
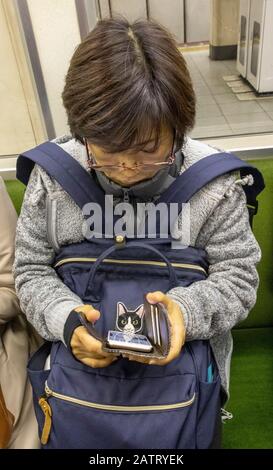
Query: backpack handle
<point x="93" y="270"/>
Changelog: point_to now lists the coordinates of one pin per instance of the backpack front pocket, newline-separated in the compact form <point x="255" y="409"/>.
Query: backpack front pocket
<point x="151" y="419"/>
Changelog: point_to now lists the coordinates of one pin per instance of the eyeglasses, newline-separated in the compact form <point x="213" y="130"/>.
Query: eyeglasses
<point x="91" y="161"/>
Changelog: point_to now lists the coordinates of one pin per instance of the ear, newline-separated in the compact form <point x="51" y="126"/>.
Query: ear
<point x="140" y="311"/>
<point x="121" y="309"/>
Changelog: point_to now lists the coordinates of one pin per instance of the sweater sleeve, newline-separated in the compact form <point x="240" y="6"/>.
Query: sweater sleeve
<point x="215" y="305"/>
<point x="45" y="299"/>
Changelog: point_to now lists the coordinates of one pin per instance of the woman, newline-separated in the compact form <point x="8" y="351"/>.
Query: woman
<point x="130" y="105"/>
<point x="17" y="340"/>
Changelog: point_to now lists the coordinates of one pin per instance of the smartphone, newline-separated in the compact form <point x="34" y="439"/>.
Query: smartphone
<point x="118" y="339"/>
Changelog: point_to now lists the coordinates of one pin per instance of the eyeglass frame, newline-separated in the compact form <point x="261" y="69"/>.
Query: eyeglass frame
<point x="163" y="164"/>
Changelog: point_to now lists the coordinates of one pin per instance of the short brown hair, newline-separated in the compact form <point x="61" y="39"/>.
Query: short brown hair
<point x="125" y="81"/>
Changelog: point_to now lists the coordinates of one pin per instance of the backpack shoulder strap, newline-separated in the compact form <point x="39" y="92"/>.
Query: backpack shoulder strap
<point x="206" y="170"/>
<point x="59" y="164"/>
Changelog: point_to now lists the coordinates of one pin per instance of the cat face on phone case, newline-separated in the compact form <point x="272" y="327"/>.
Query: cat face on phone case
<point x="129" y="321"/>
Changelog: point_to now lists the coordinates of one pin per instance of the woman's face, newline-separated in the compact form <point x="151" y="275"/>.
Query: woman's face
<point x="130" y="175"/>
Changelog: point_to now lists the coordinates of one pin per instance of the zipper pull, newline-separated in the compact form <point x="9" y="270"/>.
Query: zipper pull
<point x="225" y="415"/>
<point x="247" y="180"/>
<point x="126" y="197"/>
<point x="44" y="405"/>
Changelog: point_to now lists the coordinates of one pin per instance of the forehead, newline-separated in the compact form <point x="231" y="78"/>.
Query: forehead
<point x="165" y="139"/>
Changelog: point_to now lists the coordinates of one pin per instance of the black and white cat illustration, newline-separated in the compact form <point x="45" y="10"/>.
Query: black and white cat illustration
<point x="129" y="322"/>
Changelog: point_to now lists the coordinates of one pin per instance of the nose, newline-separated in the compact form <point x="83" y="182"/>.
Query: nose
<point x="129" y="167"/>
<point x="129" y="164"/>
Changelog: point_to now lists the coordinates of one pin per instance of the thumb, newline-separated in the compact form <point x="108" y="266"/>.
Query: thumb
<point x="89" y="312"/>
<point x="159" y="297"/>
<point x="92" y="315"/>
<point x="155" y="297"/>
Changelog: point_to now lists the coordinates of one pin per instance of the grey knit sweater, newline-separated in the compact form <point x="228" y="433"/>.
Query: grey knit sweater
<point x="219" y="223"/>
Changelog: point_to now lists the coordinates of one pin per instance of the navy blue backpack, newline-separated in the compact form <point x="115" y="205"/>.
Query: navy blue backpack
<point x="127" y="404"/>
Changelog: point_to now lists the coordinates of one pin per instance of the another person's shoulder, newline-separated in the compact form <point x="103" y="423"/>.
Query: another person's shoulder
<point x="7" y="209"/>
<point x="2" y="186"/>
<point x="3" y="189"/>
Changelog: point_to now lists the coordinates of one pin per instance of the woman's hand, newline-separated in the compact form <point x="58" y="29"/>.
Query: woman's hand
<point x="86" y="348"/>
<point x="177" y="330"/>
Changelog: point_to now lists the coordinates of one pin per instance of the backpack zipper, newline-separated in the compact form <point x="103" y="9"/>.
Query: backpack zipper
<point x="51" y="216"/>
<point x="130" y="261"/>
<point x="126" y="197"/>
<point x="50" y="393"/>
<point x="43" y="402"/>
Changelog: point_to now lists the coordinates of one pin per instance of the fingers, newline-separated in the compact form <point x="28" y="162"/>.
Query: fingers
<point x="82" y="340"/>
<point x="141" y="359"/>
<point x="91" y="314"/>
<point x="177" y="326"/>
<point x="98" y="363"/>
<point x="89" y="350"/>
<point x="174" y="313"/>
<point x="92" y="344"/>
<point x="146" y="360"/>
<point x="89" y="354"/>
<point x="152" y="361"/>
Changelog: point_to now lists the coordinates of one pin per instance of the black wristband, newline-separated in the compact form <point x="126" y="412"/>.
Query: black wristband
<point x="71" y="324"/>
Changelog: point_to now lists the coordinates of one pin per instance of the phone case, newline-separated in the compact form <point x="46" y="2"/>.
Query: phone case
<point x="156" y="328"/>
